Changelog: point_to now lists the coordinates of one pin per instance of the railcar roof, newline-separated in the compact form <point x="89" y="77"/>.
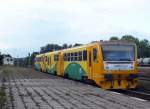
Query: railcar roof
<point x="78" y="47"/>
<point x="39" y="55"/>
<point x="102" y="43"/>
<point x="116" y="43"/>
<point x="91" y="44"/>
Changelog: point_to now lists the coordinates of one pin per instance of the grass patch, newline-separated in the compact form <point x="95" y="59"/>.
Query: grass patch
<point x="3" y="98"/>
<point x="6" y="71"/>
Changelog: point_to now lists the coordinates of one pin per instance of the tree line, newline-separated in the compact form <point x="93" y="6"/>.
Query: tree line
<point x="143" y="47"/>
<point x="55" y="47"/>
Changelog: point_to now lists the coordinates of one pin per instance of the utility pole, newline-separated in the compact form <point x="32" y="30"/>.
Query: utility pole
<point x="28" y="59"/>
<point x="17" y="61"/>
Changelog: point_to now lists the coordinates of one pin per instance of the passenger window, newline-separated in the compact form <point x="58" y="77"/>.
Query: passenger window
<point x="71" y="56"/>
<point x="64" y="57"/>
<point x="68" y="56"/>
<point x="84" y="55"/>
<point x="76" y="56"/>
<point x="75" y="53"/>
<point x="80" y="56"/>
<point x="94" y="54"/>
<point x="56" y="58"/>
<point x="46" y="59"/>
<point x="49" y="61"/>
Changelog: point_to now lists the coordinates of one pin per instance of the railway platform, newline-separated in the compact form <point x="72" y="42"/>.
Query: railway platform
<point x="29" y="89"/>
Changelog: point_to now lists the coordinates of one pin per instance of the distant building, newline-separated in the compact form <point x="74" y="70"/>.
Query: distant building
<point x="7" y="60"/>
<point x="1" y="59"/>
<point x="19" y="62"/>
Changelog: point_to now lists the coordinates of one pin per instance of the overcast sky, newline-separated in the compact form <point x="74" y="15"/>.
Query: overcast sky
<point x="26" y="25"/>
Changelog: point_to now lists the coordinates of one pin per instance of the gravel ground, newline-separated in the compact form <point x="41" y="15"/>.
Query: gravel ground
<point x="145" y="79"/>
<point x="144" y="71"/>
<point x="29" y="89"/>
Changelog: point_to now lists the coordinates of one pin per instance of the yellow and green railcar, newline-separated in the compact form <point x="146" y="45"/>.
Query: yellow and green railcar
<point x="111" y="65"/>
<point x="53" y="62"/>
<point x="39" y="62"/>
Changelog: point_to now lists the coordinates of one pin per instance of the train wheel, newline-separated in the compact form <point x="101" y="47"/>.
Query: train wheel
<point x="66" y="75"/>
<point x="55" y="73"/>
<point x="84" y="79"/>
<point x="46" y="71"/>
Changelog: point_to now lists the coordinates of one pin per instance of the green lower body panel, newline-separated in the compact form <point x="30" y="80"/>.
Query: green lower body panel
<point x="75" y="71"/>
<point x="51" y="70"/>
<point x="37" y="67"/>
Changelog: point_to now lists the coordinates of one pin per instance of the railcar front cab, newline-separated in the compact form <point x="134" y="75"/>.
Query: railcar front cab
<point x="120" y="65"/>
<point x="39" y="65"/>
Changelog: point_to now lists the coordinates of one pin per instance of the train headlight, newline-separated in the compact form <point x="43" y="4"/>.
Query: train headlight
<point x="107" y="67"/>
<point x="108" y="76"/>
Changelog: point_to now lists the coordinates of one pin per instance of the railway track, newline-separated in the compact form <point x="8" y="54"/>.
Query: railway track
<point x="142" y="93"/>
<point x="136" y="94"/>
<point x="142" y="77"/>
<point x="139" y="94"/>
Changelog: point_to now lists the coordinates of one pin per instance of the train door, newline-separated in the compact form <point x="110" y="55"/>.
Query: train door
<point x="90" y="64"/>
<point x="48" y="62"/>
<point x="93" y="62"/>
<point x="59" y="64"/>
<point x="44" y="63"/>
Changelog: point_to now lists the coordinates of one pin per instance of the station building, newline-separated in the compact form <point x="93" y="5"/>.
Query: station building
<point x="7" y="59"/>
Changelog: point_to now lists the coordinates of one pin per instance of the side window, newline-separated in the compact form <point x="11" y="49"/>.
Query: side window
<point x="64" y="57"/>
<point x="56" y="58"/>
<point x="46" y="59"/>
<point x="80" y="56"/>
<point x="84" y="55"/>
<point x="94" y="54"/>
<point x="68" y="56"/>
<point x="42" y="59"/>
<point x="35" y="59"/>
<point x="75" y="55"/>
<point x="49" y="60"/>
<point x="71" y="56"/>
